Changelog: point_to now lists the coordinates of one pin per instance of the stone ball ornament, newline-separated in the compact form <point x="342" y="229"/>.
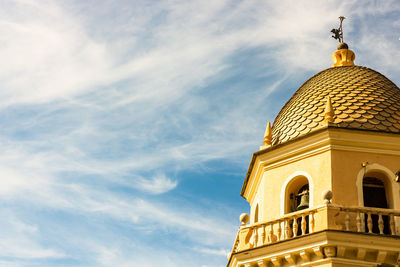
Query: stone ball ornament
<point x="327" y="196"/>
<point x="244" y="218"/>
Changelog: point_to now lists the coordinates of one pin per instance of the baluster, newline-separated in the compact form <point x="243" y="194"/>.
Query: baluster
<point x="303" y="224"/>
<point x="279" y="232"/>
<point x="311" y="224"/>
<point x="286" y="229"/>
<point x="362" y="217"/>
<point x="392" y="229"/>
<point x="255" y="233"/>
<point x="294" y="226"/>
<point x="358" y="222"/>
<point x="236" y="246"/>
<point x="369" y="222"/>
<point x="347" y="221"/>
<point x="263" y="235"/>
<point x="380" y="224"/>
<point x="271" y="233"/>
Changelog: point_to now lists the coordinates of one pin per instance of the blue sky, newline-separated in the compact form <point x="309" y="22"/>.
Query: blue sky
<point x="126" y="127"/>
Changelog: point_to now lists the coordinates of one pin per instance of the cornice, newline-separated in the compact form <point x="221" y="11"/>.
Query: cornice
<point x="328" y="245"/>
<point x="319" y="141"/>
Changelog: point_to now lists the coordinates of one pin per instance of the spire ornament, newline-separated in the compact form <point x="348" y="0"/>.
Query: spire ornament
<point x="268" y="135"/>
<point x="329" y="111"/>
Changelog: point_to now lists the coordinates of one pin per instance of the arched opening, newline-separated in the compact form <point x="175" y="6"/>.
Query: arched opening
<point x="375" y="195"/>
<point x="384" y="174"/>
<point x="297" y="196"/>
<point x="256" y="215"/>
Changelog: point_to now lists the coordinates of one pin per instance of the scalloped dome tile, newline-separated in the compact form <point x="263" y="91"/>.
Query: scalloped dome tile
<point x="361" y="98"/>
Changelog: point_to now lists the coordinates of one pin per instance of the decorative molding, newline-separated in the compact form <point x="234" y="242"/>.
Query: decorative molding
<point x="316" y="143"/>
<point x="330" y="251"/>
<point x="288" y="160"/>
<point x="361" y="252"/>
<point x="290" y="258"/>
<point x="381" y="256"/>
<point x="318" y="252"/>
<point x="276" y="261"/>
<point x="305" y="255"/>
<point x="341" y="250"/>
<point x="324" y="247"/>
<point x="366" y="150"/>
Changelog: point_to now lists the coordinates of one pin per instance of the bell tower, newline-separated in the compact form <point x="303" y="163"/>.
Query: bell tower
<point x="324" y="187"/>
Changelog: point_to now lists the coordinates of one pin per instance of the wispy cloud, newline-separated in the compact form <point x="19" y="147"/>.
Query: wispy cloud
<point x="108" y="111"/>
<point x="22" y="241"/>
<point x="222" y="252"/>
<point x="156" y="185"/>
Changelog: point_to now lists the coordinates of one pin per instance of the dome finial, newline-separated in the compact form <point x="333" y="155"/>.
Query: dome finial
<point x="268" y="135"/>
<point x="343" y="56"/>
<point x="338" y="33"/>
<point x="329" y="111"/>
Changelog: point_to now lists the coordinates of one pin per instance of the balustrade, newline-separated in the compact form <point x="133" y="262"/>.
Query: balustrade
<point x="289" y="226"/>
<point x="300" y="223"/>
<point x="371" y="220"/>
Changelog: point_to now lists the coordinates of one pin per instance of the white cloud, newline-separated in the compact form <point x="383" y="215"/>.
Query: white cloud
<point x="95" y="102"/>
<point x="156" y="185"/>
<point x="50" y="50"/>
<point x="20" y="241"/>
<point x="222" y="252"/>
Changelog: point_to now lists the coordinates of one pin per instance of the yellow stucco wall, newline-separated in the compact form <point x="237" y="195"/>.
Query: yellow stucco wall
<point x="336" y="168"/>
<point x="269" y="194"/>
<point x="346" y="168"/>
<point x="333" y="159"/>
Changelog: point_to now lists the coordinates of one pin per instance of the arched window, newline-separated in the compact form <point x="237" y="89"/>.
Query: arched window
<point x="386" y="176"/>
<point x="297" y="195"/>
<point x="376" y="187"/>
<point x="375" y="195"/>
<point x="256" y="215"/>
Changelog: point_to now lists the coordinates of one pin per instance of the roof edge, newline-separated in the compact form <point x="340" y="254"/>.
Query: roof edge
<point x="329" y="126"/>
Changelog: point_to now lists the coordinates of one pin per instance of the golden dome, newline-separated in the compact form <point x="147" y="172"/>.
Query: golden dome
<point x="361" y="98"/>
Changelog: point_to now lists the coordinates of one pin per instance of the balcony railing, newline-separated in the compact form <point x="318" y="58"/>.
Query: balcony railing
<point x="353" y="219"/>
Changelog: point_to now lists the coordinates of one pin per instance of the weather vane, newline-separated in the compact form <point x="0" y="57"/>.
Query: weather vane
<point x="338" y="33"/>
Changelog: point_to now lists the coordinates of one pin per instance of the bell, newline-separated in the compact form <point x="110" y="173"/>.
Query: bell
<point x="304" y="200"/>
